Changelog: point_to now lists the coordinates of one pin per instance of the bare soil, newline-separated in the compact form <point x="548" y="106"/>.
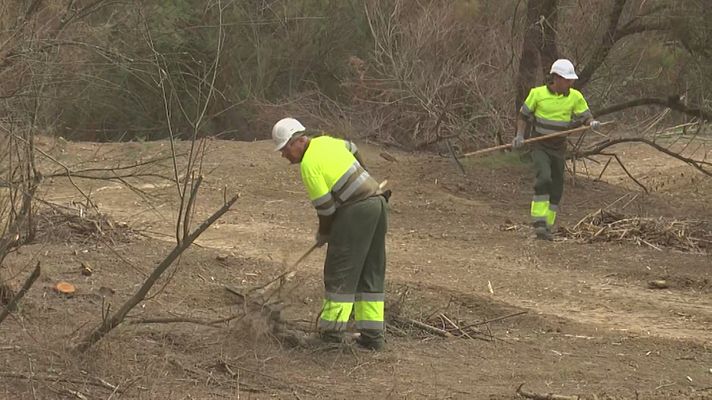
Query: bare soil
<point x="457" y="245"/>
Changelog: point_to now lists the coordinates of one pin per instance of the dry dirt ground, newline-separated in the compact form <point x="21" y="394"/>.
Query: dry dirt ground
<point x="458" y="245"/>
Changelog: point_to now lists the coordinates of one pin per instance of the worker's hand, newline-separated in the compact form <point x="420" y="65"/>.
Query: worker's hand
<point x="321" y="239"/>
<point x="518" y="141"/>
<point x="594" y="124"/>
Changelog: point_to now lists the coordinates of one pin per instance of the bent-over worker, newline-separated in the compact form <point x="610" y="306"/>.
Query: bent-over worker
<point x="352" y="214"/>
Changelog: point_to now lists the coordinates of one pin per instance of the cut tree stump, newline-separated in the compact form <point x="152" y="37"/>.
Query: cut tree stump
<point x="64" y="288"/>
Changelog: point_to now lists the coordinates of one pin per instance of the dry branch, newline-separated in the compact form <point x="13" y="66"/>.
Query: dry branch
<point x="487" y="321"/>
<point x="13" y="302"/>
<point x="111" y="322"/>
<point x="423" y="326"/>
<point x="703" y="166"/>
<point x="620" y="163"/>
<point x="549" y="396"/>
<point x="672" y="102"/>
<point x="56" y="378"/>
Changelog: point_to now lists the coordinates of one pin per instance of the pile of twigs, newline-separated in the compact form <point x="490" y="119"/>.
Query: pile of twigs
<point x="68" y="225"/>
<point x="688" y="236"/>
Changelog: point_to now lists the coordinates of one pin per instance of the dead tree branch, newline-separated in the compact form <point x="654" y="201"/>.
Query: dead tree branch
<point x="56" y="378"/>
<point x="645" y="189"/>
<point x="607" y="42"/>
<point x="485" y="322"/>
<point x="599" y="147"/>
<point x="424" y="326"/>
<point x="114" y="320"/>
<point x="13" y="302"/>
<point x="549" y="396"/>
<point x="673" y="102"/>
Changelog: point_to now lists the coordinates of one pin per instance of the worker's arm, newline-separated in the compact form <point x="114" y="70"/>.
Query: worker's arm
<point x="583" y="113"/>
<point x="322" y="200"/>
<point x="522" y="124"/>
<point x="360" y="160"/>
<point x="525" y="116"/>
<point x="325" y="222"/>
<point x="521" y="129"/>
<point x="351" y="146"/>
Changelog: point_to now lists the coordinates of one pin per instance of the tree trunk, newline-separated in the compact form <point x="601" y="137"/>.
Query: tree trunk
<point x="538" y="47"/>
<point x="607" y="42"/>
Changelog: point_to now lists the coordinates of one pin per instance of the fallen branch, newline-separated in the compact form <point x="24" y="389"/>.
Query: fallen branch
<point x="13" y="302"/>
<point x="549" y="396"/>
<point x="495" y="319"/>
<point x="178" y="320"/>
<point x="388" y="156"/>
<point x="424" y="326"/>
<point x="454" y="325"/>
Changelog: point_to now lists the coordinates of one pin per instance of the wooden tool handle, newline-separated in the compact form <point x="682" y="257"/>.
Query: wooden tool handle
<point x="535" y="139"/>
<point x="306" y="254"/>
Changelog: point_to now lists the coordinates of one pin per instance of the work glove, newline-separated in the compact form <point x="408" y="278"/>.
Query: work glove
<point x="518" y="141"/>
<point x="321" y="239"/>
<point x="594" y="124"/>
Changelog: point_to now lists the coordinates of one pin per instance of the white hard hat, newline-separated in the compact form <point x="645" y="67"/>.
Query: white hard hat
<point x="564" y="68"/>
<point x="283" y="130"/>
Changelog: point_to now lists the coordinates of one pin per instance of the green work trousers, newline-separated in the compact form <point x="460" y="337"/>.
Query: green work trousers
<point x="355" y="269"/>
<point x="549" y="187"/>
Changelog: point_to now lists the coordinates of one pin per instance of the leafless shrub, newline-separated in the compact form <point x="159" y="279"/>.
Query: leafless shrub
<point x="186" y="178"/>
<point x="430" y="76"/>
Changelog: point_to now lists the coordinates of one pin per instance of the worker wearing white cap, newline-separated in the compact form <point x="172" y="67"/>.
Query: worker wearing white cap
<point x="551" y="108"/>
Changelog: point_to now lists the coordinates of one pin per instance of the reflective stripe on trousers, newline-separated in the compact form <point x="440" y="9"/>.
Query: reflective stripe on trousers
<point x="551" y="215"/>
<point x="335" y="311"/>
<point x="540" y="208"/>
<point x="368" y="311"/>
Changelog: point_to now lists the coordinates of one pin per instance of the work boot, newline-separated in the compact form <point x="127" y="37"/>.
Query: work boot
<point x="325" y="340"/>
<point x="543" y="233"/>
<point x="371" y="340"/>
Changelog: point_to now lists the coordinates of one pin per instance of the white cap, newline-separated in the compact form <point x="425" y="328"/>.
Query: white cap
<point x="564" y="68"/>
<point x="283" y="130"/>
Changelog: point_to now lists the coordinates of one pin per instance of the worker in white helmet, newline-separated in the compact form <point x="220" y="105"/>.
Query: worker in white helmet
<point x="352" y="212"/>
<point x="551" y="108"/>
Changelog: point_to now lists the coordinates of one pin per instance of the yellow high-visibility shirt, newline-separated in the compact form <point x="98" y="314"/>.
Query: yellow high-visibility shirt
<point x="332" y="176"/>
<point x="555" y="112"/>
